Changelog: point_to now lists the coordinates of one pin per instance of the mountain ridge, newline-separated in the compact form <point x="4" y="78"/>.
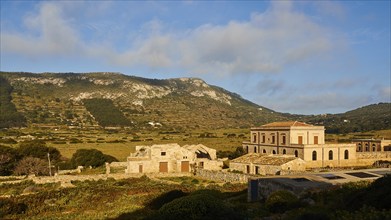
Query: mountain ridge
<point x="59" y="99"/>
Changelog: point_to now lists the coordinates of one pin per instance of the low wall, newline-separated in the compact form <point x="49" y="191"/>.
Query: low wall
<point x="222" y="176"/>
<point x="369" y="158"/>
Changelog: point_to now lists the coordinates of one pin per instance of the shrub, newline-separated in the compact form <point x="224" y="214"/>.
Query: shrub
<point x="281" y="201"/>
<point x="9" y="207"/>
<point x="161" y="200"/>
<point x="38" y="149"/>
<point x="197" y="206"/>
<point x="32" y="165"/>
<point x="90" y="157"/>
<point x="9" y="157"/>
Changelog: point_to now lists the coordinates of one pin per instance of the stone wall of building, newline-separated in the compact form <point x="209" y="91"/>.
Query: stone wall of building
<point x="222" y="176"/>
<point x="369" y="158"/>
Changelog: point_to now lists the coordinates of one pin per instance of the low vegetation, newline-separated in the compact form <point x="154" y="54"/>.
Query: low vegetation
<point x="106" y="113"/>
<point x="9" y="116"/>
<point x="143" y="198"/>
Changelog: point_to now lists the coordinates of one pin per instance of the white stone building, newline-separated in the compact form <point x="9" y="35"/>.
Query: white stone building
<point x="172" y="158"/>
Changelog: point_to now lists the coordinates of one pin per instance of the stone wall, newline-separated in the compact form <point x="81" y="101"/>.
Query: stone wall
<point x="368" y="158"/>
<point x="222" y="176"/>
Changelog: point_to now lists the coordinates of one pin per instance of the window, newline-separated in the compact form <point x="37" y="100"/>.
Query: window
<point x="274" y="152"/>
<point x="346" y="155"/>
<point x="314" y="155"/>
<point x="331" y="155"/>
<point x="283" y="140"/>
<point x="273" y="139"/>
<point x="284" y="151"/>
<point x="256" y="170"/>
<point x="255" y="149"/>
<point x="163" y="153"/>
<point x="315" y="139"/>
<point x="366" y="147"/>
<point x="254" y="138"/>
<point x="263" y="138"/>
<point x="248" y="169"/>
<point x="296" y="153"/>
<point x="264" y="151"/>
<point x="359" y="147"/>
<point x="246" y="149"/>
<point x="373" y="147"/>
<point x="300" y="139"/>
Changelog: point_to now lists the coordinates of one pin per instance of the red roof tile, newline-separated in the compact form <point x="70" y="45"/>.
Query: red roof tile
<point x="286" y="124"/>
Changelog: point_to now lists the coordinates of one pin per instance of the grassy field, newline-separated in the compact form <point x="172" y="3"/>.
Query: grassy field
<point x="121" y="143"/>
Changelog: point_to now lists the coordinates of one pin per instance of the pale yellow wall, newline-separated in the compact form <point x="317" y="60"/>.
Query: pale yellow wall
<point x="308" y="134"/>
<point x="323" y="155"/>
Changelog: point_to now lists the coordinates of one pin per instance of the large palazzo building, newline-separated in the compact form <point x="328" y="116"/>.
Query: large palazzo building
<point x="302" y="140"/>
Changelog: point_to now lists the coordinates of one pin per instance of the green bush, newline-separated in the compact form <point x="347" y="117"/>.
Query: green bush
<point x="38" y="149"/>
<point x="9" y="157"/>
<point x="161" y="200"/>
<point x="90" y="157"/>
<point x="197" y="206"/>
<point x="281" y="201"/>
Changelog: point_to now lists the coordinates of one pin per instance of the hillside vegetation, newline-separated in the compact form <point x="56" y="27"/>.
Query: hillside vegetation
<point x="9" y="116"/>
<point x="88" y="100"/>
<point x="106" y="113"/>
<point x="99" y="100"/>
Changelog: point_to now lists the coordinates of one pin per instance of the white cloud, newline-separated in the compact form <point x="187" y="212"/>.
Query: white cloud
<point x="266" y="43"/>
<point x="55" y="35"/>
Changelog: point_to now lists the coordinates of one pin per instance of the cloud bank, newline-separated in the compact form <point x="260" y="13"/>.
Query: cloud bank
<point x="265" y="43"/>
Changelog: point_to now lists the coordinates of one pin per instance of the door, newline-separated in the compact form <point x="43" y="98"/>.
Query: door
<point x="163" y="167"/>
<point x="185" y="166"/>
<point x="140" y="168"/>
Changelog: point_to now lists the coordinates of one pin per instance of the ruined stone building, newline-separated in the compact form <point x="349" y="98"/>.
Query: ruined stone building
<point x="300" y="140"/>
<point x="171" y="158"/>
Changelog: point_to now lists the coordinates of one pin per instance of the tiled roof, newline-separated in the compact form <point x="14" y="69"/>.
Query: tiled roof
<point x="286" y="124"/>
<point x="263" y="159"/>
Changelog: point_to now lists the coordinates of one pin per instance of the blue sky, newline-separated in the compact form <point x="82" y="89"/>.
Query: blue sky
<point x="307" y="57"/>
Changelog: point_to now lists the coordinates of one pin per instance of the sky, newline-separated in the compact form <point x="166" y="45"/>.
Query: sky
<point x="305" y="57"/>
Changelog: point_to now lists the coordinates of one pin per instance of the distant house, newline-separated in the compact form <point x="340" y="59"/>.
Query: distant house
<point x="263" y="164"/>
<point x="171" y="158"/>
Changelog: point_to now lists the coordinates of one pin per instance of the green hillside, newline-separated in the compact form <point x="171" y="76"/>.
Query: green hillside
<point x="93" y="100"/>
<point x="9" y="116"/>
<point x="367" y="118"/>
<point x="61" y="99"/>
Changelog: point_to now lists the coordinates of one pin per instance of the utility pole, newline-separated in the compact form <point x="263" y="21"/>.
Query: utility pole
<point x="50" y="166"/>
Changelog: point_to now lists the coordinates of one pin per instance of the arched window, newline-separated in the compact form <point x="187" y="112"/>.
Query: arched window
<point x="330" y="155"/>
<point x="284" y="151"/>
<point x="346" y="155"/>
<point x="373" y="147"/>
<point x="246" y="149"/>
<point x="274" y="152"/>
<point x="296" y="153"/>
<point x="359" y="147"/>
<point x="255" y="149"/>
<point x="264" y="151"/>
<point x="366" y="147"/>
<point x="313" y="155"/>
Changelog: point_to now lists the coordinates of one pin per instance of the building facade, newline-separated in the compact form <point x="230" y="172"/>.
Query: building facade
<point x="301" y="140"/>
<point x="261" y="164"/>
<point x="372" y="145"/>
<point x="172" y="158"/>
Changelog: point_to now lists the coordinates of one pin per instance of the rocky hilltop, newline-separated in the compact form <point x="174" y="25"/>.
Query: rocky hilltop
<point x="91" y="100"/>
